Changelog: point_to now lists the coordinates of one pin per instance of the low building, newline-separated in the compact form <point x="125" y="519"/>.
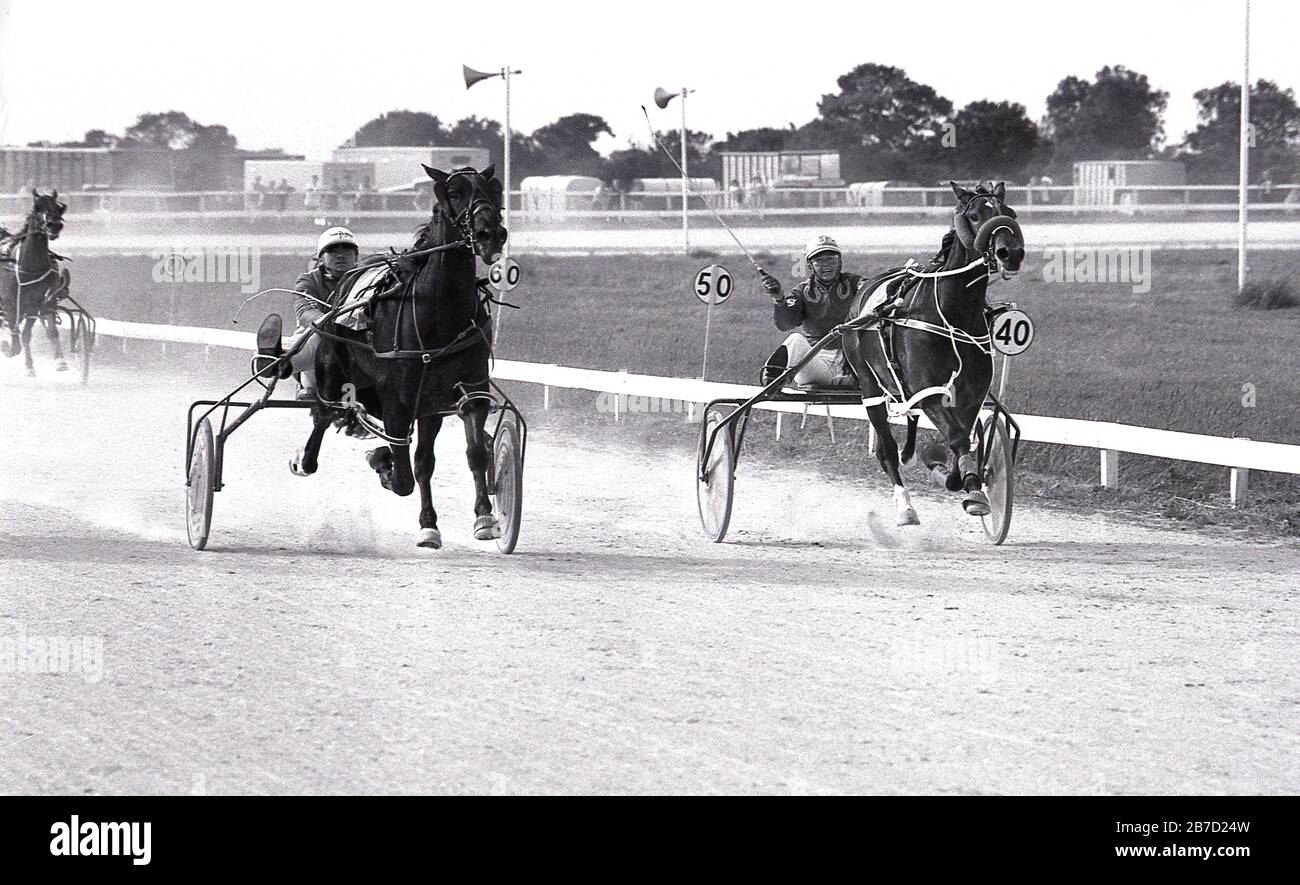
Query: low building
<point x="1110" y="182"/>
<point x="397" y="168"/>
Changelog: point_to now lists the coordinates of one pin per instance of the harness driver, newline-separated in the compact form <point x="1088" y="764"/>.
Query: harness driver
<point x="336" y="254"/>
<point x="813" y="308"/>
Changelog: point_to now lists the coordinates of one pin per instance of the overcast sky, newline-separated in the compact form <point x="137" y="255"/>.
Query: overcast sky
<point x="304" y="76"/>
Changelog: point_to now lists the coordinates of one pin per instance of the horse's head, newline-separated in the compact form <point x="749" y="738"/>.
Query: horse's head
<point x="987" y="227"/>
<point x="472" y="201"/>
<point x="47" y="214"/>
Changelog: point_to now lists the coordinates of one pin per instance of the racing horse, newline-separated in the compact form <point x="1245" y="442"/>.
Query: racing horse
<point x="933" y="349"/>
<point x="32" y="280"/>
<point x="425" y="353"/>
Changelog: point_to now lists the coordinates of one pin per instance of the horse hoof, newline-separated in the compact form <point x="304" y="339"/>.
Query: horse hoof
<point x="8" y="350"/>
<point x="486" y="528"/>
<point x="296" y="468"/>
<point x="61" y="366"/>
<point x="976" y="504"/>
<point x="31" y="373"/>
<point x="908" y="517"/>
<point x="431" y="538"/>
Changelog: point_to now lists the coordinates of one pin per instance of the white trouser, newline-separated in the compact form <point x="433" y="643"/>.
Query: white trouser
<point x="304" y="361"/>
<point x="826" y="369"/>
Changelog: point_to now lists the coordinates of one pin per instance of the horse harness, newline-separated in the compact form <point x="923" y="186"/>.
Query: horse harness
<point x="907" y="282"/>
<point x="385" y="286"/>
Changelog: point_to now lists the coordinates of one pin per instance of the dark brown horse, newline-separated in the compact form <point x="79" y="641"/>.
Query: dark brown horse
<point x="426" y="352"/>
<point x="940" y="343"/>
<point x="32" y="281"/>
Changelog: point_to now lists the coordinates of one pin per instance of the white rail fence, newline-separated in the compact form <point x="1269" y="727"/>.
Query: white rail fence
<point x="1239" y="455"/>
<point x="123" y="206"/>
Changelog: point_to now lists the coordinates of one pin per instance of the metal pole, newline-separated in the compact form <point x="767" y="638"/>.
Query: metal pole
<point x="708" y="326"/>
<point x="505" y="208"/>
<point x="1244" y="173"/>
<point x="686" y="231"/>
<point x="505" y="73"/>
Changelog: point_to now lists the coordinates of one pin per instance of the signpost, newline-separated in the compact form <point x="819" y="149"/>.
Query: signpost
<point x="713" y="285"/>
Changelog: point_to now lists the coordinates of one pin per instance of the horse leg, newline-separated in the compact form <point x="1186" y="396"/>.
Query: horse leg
<point x="52" y="332"/>
<point x="427" y="432"/>
<point x="397" y="424"/>
<point x="887" y="454"/>
<point x="963" y="475"/>
<point x="305" y="462"/>
<point x="27" y="346"/>
<point x="478" y="454"/>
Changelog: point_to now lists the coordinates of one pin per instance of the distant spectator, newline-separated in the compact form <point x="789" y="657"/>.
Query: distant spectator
<point x="1033" y="183"/>
<point x="1266" y="187"/>
<point x="282" y="194"/>
<point x="253" y="199"/>
<point x="1045" y="183"/>
<point x="737" y="194"/>
<point x="757" y="193"/>
<point x="311" y="197"/>
<point x="347" y="199"/>
<point x="330" y="199"/>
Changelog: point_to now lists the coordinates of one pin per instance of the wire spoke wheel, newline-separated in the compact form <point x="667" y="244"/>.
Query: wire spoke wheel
<point x="999" y="481"/>
<point x="715" y="480"/>
<point x="199" y="486"/>
<point x="508" y="468"/>
<point x="85" y="343"/>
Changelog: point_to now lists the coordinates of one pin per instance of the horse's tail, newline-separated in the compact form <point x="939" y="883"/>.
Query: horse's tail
<point x="909" y="447"/>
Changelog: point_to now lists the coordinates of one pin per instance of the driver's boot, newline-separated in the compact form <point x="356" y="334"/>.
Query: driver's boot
<point x="269" y="348"/>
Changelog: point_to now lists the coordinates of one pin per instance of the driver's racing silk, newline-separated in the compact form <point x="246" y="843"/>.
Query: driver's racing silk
<point x="817" y="308"/>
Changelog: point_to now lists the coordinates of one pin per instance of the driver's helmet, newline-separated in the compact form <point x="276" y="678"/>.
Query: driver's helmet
<point x="333" y="237"/>
<point x="819" y="245"/>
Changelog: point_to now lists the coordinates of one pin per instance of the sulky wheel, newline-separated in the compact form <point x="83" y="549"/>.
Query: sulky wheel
<point x="715" y="480"/>
<point x="199" y="486"/>
<point x="508" y="467"/>
<point x="85" y="344"/>
<point x="999" y="480"/>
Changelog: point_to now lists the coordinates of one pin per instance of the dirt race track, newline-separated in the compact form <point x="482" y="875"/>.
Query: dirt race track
<point x="314" y="648"/>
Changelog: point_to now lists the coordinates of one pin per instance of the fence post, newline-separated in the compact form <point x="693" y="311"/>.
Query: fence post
<point x="1238" y="485"/>
<point x="778" y="425"/>
<point x="1110" y="468"/>
<point x="546" y="396"/>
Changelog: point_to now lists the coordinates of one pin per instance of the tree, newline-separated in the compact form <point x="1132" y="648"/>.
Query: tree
<point x="565" y="146"/>
<point x="994" y="140"/>
<point x="1211" y="150"/>
<point x="762" y="139"/>
<point x="168" y="129"/>
<point x="698" y="147"/>
<point x="96" y="138"/>
<point x="633" y="162"/>
<point x="401" y="128"/>
<point x="881" y="105"/>
<point x="480" y="132"/>
<point x="1116" y="117"/>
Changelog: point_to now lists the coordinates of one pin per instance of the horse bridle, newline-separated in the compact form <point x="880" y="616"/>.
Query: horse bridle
<point x="462" y="220"/>
<point x="999" y="208"/>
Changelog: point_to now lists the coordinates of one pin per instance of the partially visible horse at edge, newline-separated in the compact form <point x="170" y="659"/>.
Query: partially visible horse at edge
<point x="32" y="280"/>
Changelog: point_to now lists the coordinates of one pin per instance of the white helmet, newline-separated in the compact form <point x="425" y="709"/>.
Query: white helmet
<point x="820" y="244"/>
<point x="335" y="236"/>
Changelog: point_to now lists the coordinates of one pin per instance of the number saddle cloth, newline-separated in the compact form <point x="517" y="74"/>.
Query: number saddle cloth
<point x="373" y="277"/>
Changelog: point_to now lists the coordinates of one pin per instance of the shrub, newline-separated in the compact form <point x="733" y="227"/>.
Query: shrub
<point x="1273" y="294"/>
